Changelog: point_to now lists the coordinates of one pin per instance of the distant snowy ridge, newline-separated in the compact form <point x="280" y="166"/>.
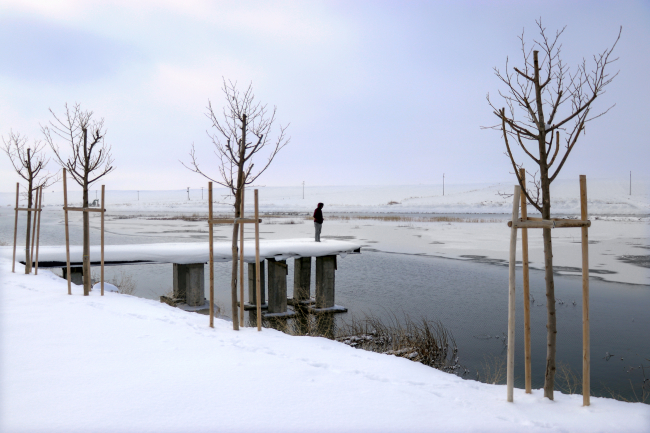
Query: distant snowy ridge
<point x="606" y="197"/>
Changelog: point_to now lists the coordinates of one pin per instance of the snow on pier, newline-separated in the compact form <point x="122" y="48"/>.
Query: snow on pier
<point x="186" y="253"/>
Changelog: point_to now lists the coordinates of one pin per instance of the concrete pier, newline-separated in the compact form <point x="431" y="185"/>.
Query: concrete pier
<point x="188" y="276"/>
<point x="76" y="275"/>
<point x="301" y="281"/>
<point x="252" y="288"/>
<point x="189" y="284"/>
<point x="325" y="286"/>
<point x="325" y="281"/>
<point x="277" y="276"/>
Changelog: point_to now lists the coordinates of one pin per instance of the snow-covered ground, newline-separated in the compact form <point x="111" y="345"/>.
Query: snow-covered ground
<point x="119" y="363"/>
<point x="606" y="197"/>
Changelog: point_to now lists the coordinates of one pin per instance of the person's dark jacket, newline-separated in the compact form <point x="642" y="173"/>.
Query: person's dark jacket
<point x="318" y="215"/>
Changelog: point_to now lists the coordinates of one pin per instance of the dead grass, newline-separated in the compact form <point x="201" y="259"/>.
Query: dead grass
<point x="424" y="341"/>
<point x="124" y="281"/>
<point x="192" y="217"/>
<point x="493" y="370"/>
<point x="640" y="390"/>
<point x="414" y="219"/>
<point x="567" y="381"/>
<point x="276" y="220"/>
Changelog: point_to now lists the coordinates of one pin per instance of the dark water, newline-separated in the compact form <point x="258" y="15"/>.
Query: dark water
<point x="469" y="298"/>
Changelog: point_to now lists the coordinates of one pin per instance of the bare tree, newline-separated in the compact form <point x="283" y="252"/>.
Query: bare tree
<point x="241" y="118"/>
<point x="90" y="159"/>
<point x="29" y="162"/>
<point x="542" y="98"/>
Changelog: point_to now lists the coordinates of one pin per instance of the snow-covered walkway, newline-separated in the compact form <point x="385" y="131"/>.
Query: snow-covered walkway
<point x="189" y="252"/>
<point x="119" y="363"/>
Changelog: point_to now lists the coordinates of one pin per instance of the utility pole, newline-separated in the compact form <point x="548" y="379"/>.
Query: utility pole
<point x="188" y="192"/>
<point x="201" y="193"/>
<point x="303" y="189"/>
<point x="630" y="182"/>
<point x="138" y="195"/>
<point x="443" y="184"/>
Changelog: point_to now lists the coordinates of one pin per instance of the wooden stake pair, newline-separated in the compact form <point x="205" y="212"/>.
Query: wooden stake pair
<point x="102" y="210"/>
<point x="36" y="225"/>
<point x="241" y="221"/>
<point x="524" y="223"/>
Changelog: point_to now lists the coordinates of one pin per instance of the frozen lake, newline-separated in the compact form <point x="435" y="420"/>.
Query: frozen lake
<point x="468" y="296"/>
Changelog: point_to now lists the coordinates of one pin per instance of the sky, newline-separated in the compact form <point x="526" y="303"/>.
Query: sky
<point x="374" y="92"/>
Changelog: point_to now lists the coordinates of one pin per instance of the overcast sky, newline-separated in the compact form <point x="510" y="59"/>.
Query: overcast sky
<point x="376" y="92"/>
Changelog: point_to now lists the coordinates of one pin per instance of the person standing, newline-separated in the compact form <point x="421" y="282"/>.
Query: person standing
<point x="318" y="220"/>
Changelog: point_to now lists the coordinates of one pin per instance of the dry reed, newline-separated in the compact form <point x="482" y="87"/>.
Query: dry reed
<point x="412" y="219"/>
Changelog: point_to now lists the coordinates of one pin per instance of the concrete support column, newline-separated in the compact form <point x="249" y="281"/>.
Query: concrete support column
<point x="252" y="290"/>
<point x="302" y="279"/>
<point x="325" y="269"/>
<point x="179" y="280"/>
<point x="76" y="275"/>
<point x="189" y="283"/>
<point x="278" y="271"/>
<point x="195" y="286"/>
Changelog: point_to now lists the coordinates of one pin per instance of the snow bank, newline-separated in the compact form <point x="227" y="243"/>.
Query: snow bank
<point x="195" y="252"/>
<point x="119" y="363"/>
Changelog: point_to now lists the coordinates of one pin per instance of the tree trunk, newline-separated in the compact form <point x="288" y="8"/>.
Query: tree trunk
<point x="551" y="322"/>
<point x="28" y="258"/>
<point x="86" y="256"/>
<point x="233" y="280"/>
<point x="551" y="325"/>
<point x="235" y="228"/>
<point x="86" y="218"/>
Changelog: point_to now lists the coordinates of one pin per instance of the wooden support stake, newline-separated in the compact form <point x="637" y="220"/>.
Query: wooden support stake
<point x="211" y="261"/>
<point x="585" y="295"/>
<point x="103" y="210"/>
<point x="233" y="221"/>
<point x="85" y="209"/>
<point x="241" y="263"/>
<point x="258" y="291"/>
<point x="38" y="227"/>
<point x="511" y="298"/>
<point x="13" y="263"/>
<point x="31" y="250"/>
<point x="524" y="254"/>
<point x="67" y="232"/>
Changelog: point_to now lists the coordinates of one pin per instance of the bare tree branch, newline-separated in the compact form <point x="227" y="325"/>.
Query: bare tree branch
<point x="88" y="159"/>
<point x="529" y="94"/>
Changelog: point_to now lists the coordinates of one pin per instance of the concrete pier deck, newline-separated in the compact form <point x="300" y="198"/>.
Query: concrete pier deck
<point x="188" y="253"/>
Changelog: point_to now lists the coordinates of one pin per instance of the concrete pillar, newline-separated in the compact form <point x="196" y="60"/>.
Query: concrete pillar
<point x="179" y="278"/>
<point x="301" y="279"/>
<point x="189" y="283"/>
<point x="278" y="271"/>
<point x="195" y="286"/>
<point x="252" y="290"/>
<point x="76" y="275"/>
<point x="325" y="269"/>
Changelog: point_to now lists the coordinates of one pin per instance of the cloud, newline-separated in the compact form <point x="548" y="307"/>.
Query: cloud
<point x="33" y="49"/>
